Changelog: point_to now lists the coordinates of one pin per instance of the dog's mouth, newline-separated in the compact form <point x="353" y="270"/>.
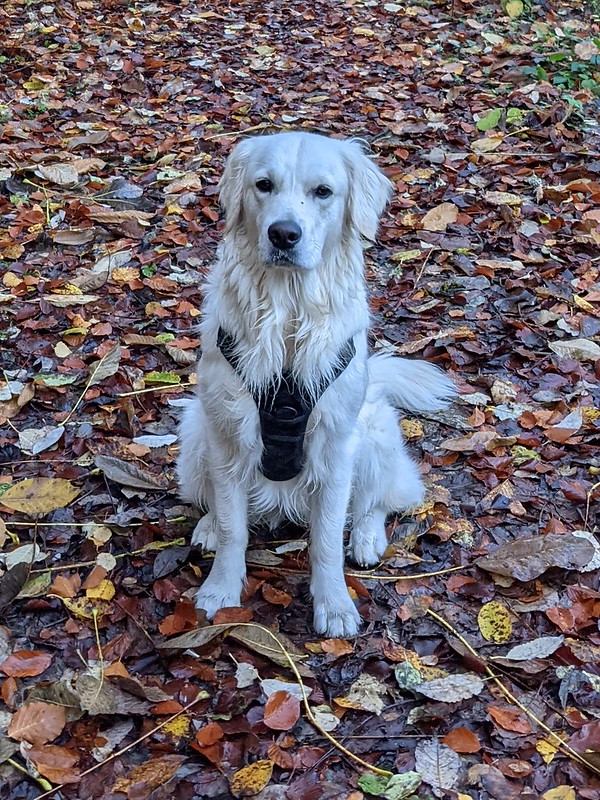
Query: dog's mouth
<point x="282" y="258"/>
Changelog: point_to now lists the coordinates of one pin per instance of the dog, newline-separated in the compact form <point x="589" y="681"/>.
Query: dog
<point x="292" y="418"/>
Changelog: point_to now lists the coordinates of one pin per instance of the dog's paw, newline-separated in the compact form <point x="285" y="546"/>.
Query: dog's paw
<point x="212" y="597"/>
<point x="337" y="619"/>
<point x="367" y="547"/>
<point x="205" y="533"/>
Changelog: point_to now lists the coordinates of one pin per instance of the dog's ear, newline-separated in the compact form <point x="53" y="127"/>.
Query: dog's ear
<point x="231" y="185"/>
<point x="370" y="191"/>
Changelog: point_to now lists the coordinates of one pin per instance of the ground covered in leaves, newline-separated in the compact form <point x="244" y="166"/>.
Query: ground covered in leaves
<point x="481" y="680"/>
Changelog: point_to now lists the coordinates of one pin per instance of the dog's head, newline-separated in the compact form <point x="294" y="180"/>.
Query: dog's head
<point x="298" y="197"/>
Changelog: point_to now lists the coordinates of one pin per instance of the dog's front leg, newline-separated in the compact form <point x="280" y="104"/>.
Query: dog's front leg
<point x="334" y="612"/>
<point x="223" y="587"/>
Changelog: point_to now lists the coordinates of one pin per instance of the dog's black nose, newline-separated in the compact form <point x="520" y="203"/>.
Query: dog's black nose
<point x="284" y="234"/>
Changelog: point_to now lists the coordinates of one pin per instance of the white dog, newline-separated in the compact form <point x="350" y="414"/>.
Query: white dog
<point x="292" y="418"/>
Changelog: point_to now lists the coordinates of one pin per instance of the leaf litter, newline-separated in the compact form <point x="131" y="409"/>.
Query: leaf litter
<point x="486" y="264"/>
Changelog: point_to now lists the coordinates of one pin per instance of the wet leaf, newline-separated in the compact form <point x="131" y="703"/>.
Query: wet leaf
<point x="282" y="711"/>
<point x="26" y="663"/>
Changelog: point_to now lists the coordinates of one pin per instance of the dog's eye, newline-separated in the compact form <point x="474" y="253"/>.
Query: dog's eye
<point x="323" y="191"/>
<point x="264" y="185"/>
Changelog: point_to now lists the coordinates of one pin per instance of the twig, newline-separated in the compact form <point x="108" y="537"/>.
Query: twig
<point x="368" y="577"/>
<point x="145" y="549"/>
<point x="42" y="781"/>
<point x="123" y="750"/>
<point x="155" y="389"/>
<point x="307" y="708"/>
<point x="560" y="745"/>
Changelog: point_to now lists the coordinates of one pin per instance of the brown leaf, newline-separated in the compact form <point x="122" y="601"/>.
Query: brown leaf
<point x="37" y="723"/>
<point x="275" y="596"/>
<point x="146" y="777"/>
<point x="209" y="734"/>
<point x="26" y="663"/>
<point x="438" y="218"/>
<point x="55" y="763"/>
<point x="525" y="559"/>
<point x="282" y="711"/>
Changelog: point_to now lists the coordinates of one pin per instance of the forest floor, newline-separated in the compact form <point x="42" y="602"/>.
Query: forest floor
<point x="477" y="671"/>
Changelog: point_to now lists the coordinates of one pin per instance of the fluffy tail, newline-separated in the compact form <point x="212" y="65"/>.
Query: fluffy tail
<point x="410" y="384"/>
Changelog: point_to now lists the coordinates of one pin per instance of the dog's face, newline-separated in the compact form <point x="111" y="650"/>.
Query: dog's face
<point x="298" y="196"/>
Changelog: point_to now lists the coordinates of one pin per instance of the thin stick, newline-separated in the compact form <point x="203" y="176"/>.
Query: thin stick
<point x="562" y="746"/>
<point x="368" y="577"/>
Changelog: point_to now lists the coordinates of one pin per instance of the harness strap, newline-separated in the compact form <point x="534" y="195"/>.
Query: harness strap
<point x="284" y="408"/>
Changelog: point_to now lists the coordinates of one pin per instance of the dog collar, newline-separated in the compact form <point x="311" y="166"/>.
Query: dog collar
<point x="284" y="408"/>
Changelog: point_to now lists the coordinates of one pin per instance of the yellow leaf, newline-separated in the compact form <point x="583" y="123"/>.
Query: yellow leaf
<point x="411" y="428"/>
<point x="560" y="793"/>
<point x="547" y="748"/>
<point x="83" y="608"/>
<point x="178" y="727"/>
<point x="39" y="495"/>
<point x="494" y="622"/>
<point x="125" y="274"/>
<point x="104" y="591"/>
<point x="583" y="304"/>
<point x="514" y="8"/>
<point x="252" y="779"/>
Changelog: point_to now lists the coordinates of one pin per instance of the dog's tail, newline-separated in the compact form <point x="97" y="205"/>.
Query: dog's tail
<point x="410" y="384"/>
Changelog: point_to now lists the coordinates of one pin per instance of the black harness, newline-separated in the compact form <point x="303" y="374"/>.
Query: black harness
<point x="284" y="409"/>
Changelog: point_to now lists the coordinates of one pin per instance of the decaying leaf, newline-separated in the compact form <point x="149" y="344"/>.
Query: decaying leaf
<point x="541" y="647"/>
<point x="525" y="559"/>
<point x="37" y="723"/>
<point x="366" y="694"/>
<point x="495" y="622"/>
<point x="39" y="495"/>
<point x="127" y="474"/>
<point x="249" y="780"/>
<point x="452" y="688"/>
<point x="438" y="765"/>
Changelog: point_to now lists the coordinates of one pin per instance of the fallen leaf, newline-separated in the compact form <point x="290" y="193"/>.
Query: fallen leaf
<point x="541" y="647"/>
<point x="55" y="763"/>
<point x="250" y="780"/>
<point x="580" y="349"/>
<point x="438" y="218"/>
<point x="26" y="663"/>
<point x="39" y="495"/>
<point x="438" y="765"/>
<point x="282" y="711"/>
<point x="107" y="366"/>
<point x="60" y="174"/>
<point x="560" y="793"/>
<point x="462" y="740"/>
<point x="494" y="622"/>
<point x="510" y="719"/>
<point x="452" y="688"/>
<point x="525" y="559"/>
<point x="128" y="474"/>
<point x="37" y="723"/>
<point x="365" y="695"/>
<point x="148" y="776"/>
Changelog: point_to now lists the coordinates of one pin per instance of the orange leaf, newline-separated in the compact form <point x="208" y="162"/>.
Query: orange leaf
<point x="276" y="596"/>
<point x="66" y="586"/>
<point x="26" y="663"/>
<point x="37" y="723"/>
<point x="337" y="647"/>
<point x="232" y="615"/>
<point x="209" y="734"/>
<point x="509" y="719"/>
<point x="282" y="711"/>
<point x="462" y="740"/>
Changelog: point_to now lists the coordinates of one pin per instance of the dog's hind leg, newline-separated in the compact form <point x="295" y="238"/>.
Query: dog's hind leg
<point x="386" y="479"/>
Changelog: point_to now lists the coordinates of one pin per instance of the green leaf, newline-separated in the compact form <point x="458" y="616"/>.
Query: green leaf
<point x="163" y="338"/>
<point x="514" y="116"/>
<point x="373" y="784"/>
<point x="401" y="787"/>
<point x="59" y="379"/>
<point x="491" y="119"/>
<point x="514" y="8"/>
<point x="162" y="377"/>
